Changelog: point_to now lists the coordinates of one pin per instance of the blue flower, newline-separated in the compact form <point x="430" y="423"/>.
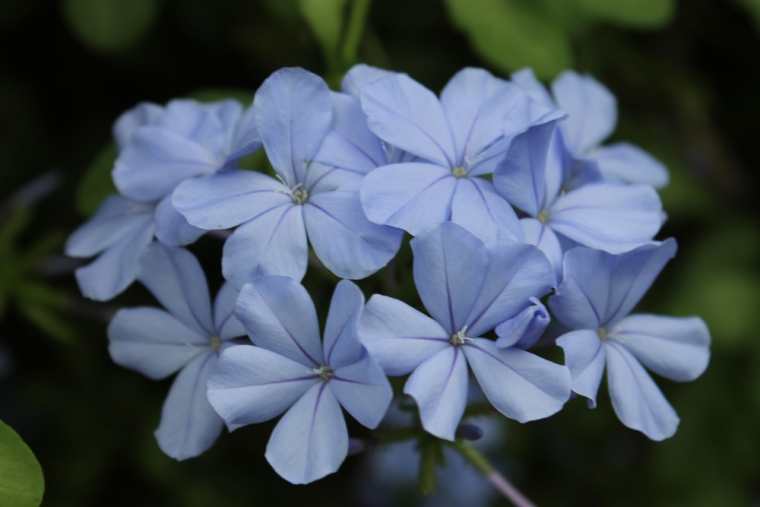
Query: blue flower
<point x="606" y="216"/>
<point x="592" y="115"/>
<point x="455" y="138"/>
<point x="468" y="289"/>
<point x="320" y="148"/>
<point x="594" y="300"/>
<point x="290" y="370"/>
<point x="186" y="337"/>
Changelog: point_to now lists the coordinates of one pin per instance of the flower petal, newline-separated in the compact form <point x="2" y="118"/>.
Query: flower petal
<point x="526" y="79"/>
<point x="152" y="341"/>
<point x="676" y="348"/>
<point x="412" y="196"/>
<point x="144" y="113"/>
<point x="361" y="75"/>
<point x="543" y="237"/>
<point x="598" y="288"/>
<point x="520" y="385"/>
<point x="228" y="198"/>
<point x="591" y="108"/>
<point x="279" y="315"/>
<point x="638" y="402"/>
<point x="293" y="113"/>
<point x="524" y="329"/>
<point x="341" y="337"/>
<point x="273" y="243"/>
<point x="585" y="357"/>
<point x="399" y="337"/>
<point x="246" y="138"/>
<point x="226" y="324"/>
<point x="189" y="426"/>
<point x="176" y="279"/>
<point x="252" y="385"/>
<point x="172" y="229"/>
<point x="439" y="386"/>
<point x="344" y="240"/>
<point x="630" y="164"/>
<point x="405" y="114"/>
<point x="478" y="208"/>
<point x="363" y="390"/>
<point x="311" y="439"/>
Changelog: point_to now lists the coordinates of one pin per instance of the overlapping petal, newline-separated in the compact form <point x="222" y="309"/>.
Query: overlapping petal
<point x="630" y="164"/>
<point x="585" y="357"/>
<point x="524" y="329"/>
<point x="363" y="390"/>
<point x="341" y="337"/>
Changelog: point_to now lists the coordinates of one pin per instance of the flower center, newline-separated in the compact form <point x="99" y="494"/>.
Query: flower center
<point x="459" y="338"/>
<point x="216" y="343"/>
<point x="299" y="194"/>
<point x="543" y="216"/>
<point x="459" y="172"/>
<point x="324" y="372"/>
<point x="602" y="333"/>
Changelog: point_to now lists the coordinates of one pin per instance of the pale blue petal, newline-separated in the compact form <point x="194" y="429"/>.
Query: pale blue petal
<point x="116" y="218"/>
<point x="144" y="113"/>
<point x="606" y="216"/>
<point x="450" y="266"/>
<point x="405" y="114"/>
<point x="591" y="109"/>
<point x="412" y="196"/>
<point x="524" y="329"/>
<point x="311" y="439"/>
<point x="630" y="164"/>
<point x="246" y="139"/>
<point x="361" y="75"/>
<point x="675" y="348"/>
<point x="207" y="125"/>
<point x="156" y="160"/>
<point x="279" y="315"/>
<point x="252" y="385"/>
<point x="172" y="229"/>
<point x="585" y="357"/>
<point x="153" y="342"/>
<point x="189" y="426"/>
<point x="341" y="337"/>
<point x="638" y="402"/>
<point x="117" y="267"/>
<point x="399" y="337"/>
<point x="226" y="324"/>
<point x="520" y="385"/>
<point x="344" y="240"/>
<point x="293" y="112"/>
<point x="526" y="79"/>
<point x="273" y="243"/>
<point x="599" y="289"/>
<point x="176" y="279"/>
<point x="543" y="237"/>
<point x="229" y="198"/>
<point x="478" y="208"/>
<point x="439" y="386"/>
<point x="363" y="390"/>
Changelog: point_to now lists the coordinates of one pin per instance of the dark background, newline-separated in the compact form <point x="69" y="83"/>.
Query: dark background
<point x="688" y="87"/>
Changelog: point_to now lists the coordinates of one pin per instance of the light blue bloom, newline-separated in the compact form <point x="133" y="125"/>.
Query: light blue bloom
<point x="456" y="138"/>
<point x="594" y="300"/>
<point x="606" y="216"/>
<point x="186" y="337"/>
<point x="290" y="370"/>
<point x="592" y="115"/>
<point x="319" y="145"/>
<point x="468" y="289"/>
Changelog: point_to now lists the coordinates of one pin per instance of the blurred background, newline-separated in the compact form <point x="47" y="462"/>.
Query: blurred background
<point x="687" y="79"/>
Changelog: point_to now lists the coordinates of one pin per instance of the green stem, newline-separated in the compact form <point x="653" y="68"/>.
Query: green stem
<point x="496" y="479"/>
<point x="354" y="30"/>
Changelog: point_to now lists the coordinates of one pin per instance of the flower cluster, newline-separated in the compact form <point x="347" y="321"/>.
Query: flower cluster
<point x="519" y="217"/>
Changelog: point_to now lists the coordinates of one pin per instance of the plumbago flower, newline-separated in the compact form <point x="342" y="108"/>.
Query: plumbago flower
<point x="456" y="138"/>
<point x="468" y="289"/>
<point x="594" y="300"/>
<point x="320" y="148"/>
<point x="186" y="337"/>
<point x="290" y="371"/>
<point x="148" y="166"/>
<point x="592" y="115"/>
<point x="605" y="216"/>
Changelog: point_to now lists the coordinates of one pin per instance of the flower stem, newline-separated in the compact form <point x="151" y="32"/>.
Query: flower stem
<point x="497" y="480"/>
<point x="355" y="28"/>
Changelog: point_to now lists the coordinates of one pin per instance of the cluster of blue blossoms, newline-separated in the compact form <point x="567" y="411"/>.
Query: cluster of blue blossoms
<point x="512" y="201"/>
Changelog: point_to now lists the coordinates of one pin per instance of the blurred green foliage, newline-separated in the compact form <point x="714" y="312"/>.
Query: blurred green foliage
<point x="686" y="78"/>
<point x="21" y="481"/>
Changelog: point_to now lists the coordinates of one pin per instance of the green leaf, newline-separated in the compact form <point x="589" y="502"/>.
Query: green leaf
<point x="511" y="34"/>
<point x="21" y="480"/>
<point x="110" y="25"/>
<point x="97" y="183"/>
<point x="635" y="13"/>
<point x="12" y="227"/>
<point x="326" y="20"/>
